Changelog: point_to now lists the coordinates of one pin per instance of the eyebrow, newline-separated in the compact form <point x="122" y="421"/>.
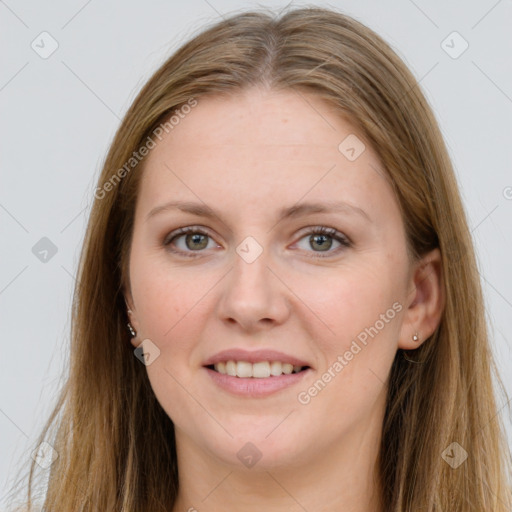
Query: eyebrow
<point x="298" y="210"/>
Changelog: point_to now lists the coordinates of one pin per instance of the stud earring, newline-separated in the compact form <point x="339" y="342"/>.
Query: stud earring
<point x="415" y="337"/>
<point x="131" y="329"/>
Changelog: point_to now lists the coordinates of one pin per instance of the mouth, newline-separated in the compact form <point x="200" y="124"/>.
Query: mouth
<point x="257" y="370"/>
<point x="255" y="374"/>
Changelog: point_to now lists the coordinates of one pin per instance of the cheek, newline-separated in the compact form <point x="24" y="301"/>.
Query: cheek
<point x="164" y="296"/>
<point x="351" y="298"/>
<point x="169" y="304"/>
<point x="350" y="384"/>
<point x="361" y="312"/>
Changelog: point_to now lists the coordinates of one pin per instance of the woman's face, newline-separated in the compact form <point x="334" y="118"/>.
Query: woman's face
<point x="253" y="283"/>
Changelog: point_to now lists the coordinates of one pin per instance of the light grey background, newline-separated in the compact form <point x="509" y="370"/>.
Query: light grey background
<point x="59" y="115"/>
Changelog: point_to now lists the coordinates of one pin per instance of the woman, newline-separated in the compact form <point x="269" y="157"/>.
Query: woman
<point x="278" y="303"/>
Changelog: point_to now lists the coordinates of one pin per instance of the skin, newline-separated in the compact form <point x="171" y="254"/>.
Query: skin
<point x="247" y="157"/>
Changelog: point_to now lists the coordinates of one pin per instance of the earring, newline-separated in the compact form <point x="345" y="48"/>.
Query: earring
<point x="415" y="338"/>
<point x="131" y="329"/>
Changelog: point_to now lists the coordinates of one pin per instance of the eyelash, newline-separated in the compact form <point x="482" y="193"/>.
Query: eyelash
<point x="321" y="230"/>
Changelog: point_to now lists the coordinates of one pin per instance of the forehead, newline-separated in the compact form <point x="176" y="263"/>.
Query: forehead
<point x="260" y="117"/>
<point x="260" y="144"/>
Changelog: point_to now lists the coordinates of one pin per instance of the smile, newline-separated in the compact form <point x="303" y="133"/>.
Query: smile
<point x="255" y="373"/>
<point x="258" y="370"/>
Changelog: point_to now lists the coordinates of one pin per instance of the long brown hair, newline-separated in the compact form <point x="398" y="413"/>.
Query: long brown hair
<point x="115" y="443"/>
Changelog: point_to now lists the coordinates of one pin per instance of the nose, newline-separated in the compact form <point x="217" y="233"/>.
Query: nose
<point x="253" y="295"/>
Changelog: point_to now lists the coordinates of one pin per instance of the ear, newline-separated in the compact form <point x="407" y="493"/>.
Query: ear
<point x="426" y="301"/>
<point x="132" y="316"/>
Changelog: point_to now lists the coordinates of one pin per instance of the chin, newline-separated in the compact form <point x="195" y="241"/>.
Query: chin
<point x="254" y="449"/>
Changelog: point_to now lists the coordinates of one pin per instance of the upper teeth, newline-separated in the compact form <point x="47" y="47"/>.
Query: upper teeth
<point x="258" y="370"/>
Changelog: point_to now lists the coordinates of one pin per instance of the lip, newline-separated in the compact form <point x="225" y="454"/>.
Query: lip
<point x="254" y="356"/>
<point x="255" y="387"/>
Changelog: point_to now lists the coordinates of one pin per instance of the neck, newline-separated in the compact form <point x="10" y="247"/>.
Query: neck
<point x="341" y="478"/>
